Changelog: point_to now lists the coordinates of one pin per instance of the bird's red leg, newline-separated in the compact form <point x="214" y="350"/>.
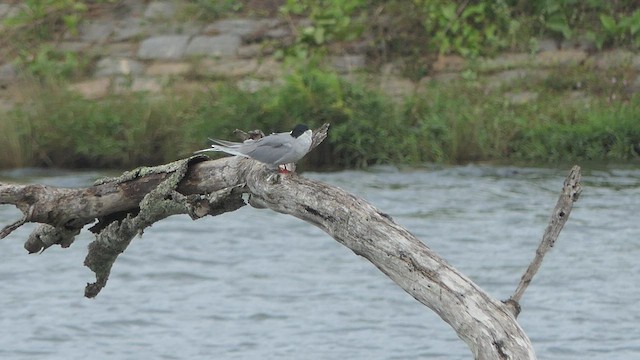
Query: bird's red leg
<point x="282" y="169"/>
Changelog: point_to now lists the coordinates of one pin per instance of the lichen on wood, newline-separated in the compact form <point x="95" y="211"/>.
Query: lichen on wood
<point x="159" y="203"/>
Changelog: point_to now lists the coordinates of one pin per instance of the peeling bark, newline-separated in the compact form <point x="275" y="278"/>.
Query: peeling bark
<point x="125" y="206"/>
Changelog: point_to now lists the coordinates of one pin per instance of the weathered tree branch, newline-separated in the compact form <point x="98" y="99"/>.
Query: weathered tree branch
<point x="570" y="194"/>
<point x="125" y="206"/>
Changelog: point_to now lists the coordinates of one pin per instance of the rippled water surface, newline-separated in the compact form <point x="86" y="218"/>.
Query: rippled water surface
<point x="254" y="284"/>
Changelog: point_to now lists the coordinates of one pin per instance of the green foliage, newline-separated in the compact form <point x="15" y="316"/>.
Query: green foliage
<point x="624" y="30"/>
<point x="41" y="17"/>
<point x="47" y="63"/>
<point x="606" y="23"/>
<point x="469" y="29"/>
<point x="607" y="132"/>
<point x="330" y="20"/>
<point x="454" y="126"/>
<point x="359" y="117"/>
<point x="35" y="23"/>
<point x="443" y="123"/>
<point x="207" y="10"/>
<point x="62" y="129"/>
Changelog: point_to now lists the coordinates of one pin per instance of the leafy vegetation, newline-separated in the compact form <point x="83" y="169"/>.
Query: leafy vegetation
<point x="468" y="28"/>
<point x="207" y="10"/>
<point x="40" y="17"/>
<point x="25" y="34"/>
<point x="447" y="123"/>
<point x="47" y="63"/>
<point x="329" y="20"/>
<point x="61" y="129"/>
<point x="443" y="123"/>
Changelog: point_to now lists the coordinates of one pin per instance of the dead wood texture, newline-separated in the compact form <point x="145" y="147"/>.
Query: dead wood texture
<point x="570" y="194"/>
<point x="125" y="206"/>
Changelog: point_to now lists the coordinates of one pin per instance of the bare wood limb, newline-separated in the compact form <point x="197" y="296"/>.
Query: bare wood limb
<point x="126" y="205"/>
<point x="484" y="323"/>
<point x="570" y="194"/>
<point x="11" y="227"/>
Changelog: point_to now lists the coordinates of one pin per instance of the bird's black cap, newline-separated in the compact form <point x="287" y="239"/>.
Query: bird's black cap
<point x="299" y="130"/>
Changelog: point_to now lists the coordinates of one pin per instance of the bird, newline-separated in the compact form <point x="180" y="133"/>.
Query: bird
<point x="276" y="150"/>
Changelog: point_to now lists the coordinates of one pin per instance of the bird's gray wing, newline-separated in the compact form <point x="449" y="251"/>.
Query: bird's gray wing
<point x="269" y="149"/>
<point x="224" y="142"/>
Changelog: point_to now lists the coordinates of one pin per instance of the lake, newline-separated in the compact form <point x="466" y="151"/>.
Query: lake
<point x="254" y="284"/>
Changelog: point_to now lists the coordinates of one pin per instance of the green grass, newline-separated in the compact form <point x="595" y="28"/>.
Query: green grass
<point x="454" y="123"/>
<point x="61" y="129"/>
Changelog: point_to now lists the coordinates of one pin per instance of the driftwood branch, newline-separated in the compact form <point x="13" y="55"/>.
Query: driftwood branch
<point x="125" y="206"/>
<point x="570" y="194"/>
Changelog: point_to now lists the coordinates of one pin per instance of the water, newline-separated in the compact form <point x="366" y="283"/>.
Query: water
<point x="254" y="284"/>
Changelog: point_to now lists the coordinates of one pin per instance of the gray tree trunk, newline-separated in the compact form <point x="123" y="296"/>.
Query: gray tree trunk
<point x="126" y="205"/>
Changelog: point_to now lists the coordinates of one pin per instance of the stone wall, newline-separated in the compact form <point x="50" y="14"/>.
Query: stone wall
<point x="144" y="46"/>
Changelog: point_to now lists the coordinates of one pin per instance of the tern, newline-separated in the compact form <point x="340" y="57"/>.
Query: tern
<point x="275" y="150"/>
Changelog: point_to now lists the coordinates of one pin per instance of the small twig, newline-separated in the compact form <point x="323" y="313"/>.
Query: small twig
<point x="12" y="227"/>
<point x="570" y="193"/>
<point x="253" y="134"/>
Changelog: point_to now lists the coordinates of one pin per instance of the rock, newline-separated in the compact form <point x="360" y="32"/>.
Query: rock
<point x="118" y="66"/>
<point x="95" y="31"/>
<point x="73" y="46"/>
<point x="239" y="27"/>
<point x="164" y="28"/>
<point x="278" y="33"/>
<point x="445" y="77"/>
<point x="269" y="68"/>
<point x="6" y="105"/>
<point x="547" y="44"/>
<point x="227" y="68"/>
<point x="146" y="84"/>
<point x="4" y="9"/>
<point x="396" y="87"/>
<point x="580" y="44"/>
<point x="160" y="10"/>
<point x="521" y="98"/>
<point x="579" y="97"/>
<point x="166" y="69"/>
<point x="348" y="63"/>
<point x="128" y="29"/>
<point x="129" y="8"/>
<point x="121" y="49"/>
<point x="446" y="63"/>
<point x="251" y="85"/>
<point x="392" y="68"/>
<point x="613" y="59"/>
<point x="509" y="77"/>
<point x="635" y="62"/>
<point x="8" y="74"/>
<point x="13" y="11"/>
<point x="92" y="89"/>
<point x="255" y="50"/>
<point x="559" y="58"/>
<point x="167" y="47"/>
<point x="214" y="46"/>
<point x="633" y="87"/>
<point x="190" y="87"/>
<point x="504" y="61"/>
<point x="250" y="30"/>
